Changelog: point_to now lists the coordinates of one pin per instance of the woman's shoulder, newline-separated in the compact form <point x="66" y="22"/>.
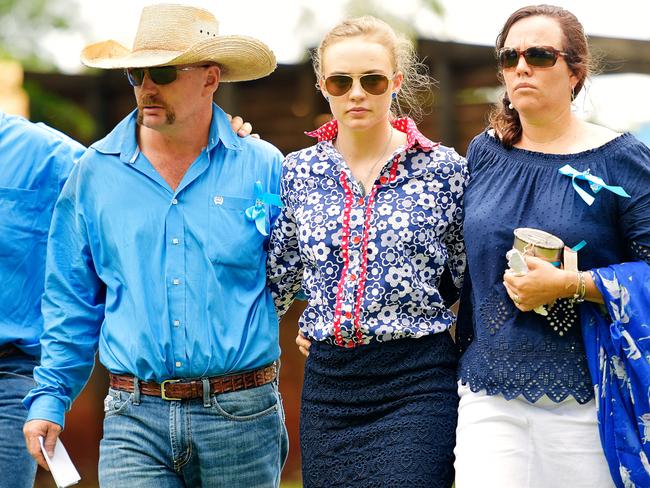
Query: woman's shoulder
<point x="484" y="145"/>
<point x="306" y="155"/>
<point x="598" y="135"/>
<point x="605" y="142"/>
<point x="441" y="159"/>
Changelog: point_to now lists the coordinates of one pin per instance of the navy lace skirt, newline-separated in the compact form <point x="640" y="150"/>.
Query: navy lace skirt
<point x="381" y="415"/>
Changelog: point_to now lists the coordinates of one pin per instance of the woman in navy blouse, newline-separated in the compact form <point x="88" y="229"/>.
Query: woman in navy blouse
<point x="527" y="414"/>
<point x="371" y="227"/>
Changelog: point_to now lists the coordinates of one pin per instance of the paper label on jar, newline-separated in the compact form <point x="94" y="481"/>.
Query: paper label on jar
<point x="570" y="259"/>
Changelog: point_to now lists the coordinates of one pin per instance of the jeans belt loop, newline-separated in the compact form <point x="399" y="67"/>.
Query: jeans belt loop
<point x="206" y="392"/>
<point x="136" y="390"/>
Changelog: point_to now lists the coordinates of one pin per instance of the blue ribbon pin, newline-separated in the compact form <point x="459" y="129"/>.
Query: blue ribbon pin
<point x="595" y="183"/>
<point x="257" y="213"/>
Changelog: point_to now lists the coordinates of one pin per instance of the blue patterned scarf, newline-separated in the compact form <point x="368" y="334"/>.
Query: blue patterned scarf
<point x="618" y="354"/>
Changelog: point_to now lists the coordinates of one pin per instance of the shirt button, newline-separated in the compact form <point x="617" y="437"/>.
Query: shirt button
<point x="383" y="180"/>
<point x="178" y="364"/>
<point x="353" y="277"/>
<point x="174" y="201"/>
<point x="175" y="241"/>
<point x="177" y="323"/>
<point x="356" y="239"/>
<point x="361" y="201"/>
<point x="348" y="315"/>
<point x="176" y="281"/>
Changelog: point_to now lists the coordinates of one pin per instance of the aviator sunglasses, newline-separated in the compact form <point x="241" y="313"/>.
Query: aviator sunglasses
<point x="160" y="75"/>
<point x="537" y="56"/>
<point x="373" y="84"/>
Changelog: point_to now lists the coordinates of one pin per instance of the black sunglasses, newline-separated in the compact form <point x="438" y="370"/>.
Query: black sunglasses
<point x="537" y="56"/>
<point x="374" y="84"/>
<point x="160" y="75"/>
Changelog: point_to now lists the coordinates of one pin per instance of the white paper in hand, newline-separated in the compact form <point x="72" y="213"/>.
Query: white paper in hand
<point x="516" y="262"/>
<point x="518" y="267"/>
<point x="62" y="469"/>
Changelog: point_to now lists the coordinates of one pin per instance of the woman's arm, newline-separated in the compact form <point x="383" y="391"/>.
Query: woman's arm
<point x="284" y="266"/>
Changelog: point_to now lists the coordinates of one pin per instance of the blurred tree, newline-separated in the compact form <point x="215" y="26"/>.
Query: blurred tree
<point x="61" y="113"/>
<point x="26" y="24"/>
<point x="26" y="27"/>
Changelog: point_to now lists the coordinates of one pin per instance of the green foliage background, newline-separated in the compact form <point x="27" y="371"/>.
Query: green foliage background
<point x="25" y="27"/>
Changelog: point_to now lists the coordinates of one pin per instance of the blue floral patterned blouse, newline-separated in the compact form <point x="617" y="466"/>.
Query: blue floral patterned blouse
<point x="371" y="265"/>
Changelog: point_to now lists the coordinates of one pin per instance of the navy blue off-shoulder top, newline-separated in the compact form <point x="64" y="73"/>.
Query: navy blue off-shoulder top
<point x="514" y="353"/>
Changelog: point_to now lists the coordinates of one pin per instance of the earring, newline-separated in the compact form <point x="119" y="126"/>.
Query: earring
<point x="511" y="106"/>
<point x="393" y="95"/>
<point x="327" y="98"/>
<point x="573" y="93"/>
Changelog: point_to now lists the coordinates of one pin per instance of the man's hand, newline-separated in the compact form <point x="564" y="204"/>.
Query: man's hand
<point x="41" y="428"/>
<point x="240" y="127"/>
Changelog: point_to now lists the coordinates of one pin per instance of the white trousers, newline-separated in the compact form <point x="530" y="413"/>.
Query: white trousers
<point x="517" y="444"/>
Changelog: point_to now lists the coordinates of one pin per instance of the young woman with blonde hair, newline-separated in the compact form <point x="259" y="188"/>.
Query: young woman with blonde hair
<point x="371" y="228"/>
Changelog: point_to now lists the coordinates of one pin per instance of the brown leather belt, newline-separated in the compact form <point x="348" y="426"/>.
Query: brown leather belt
<point x="186" y="389"/>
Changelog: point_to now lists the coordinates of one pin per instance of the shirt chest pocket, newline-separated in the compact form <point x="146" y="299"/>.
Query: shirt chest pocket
<point x="234" y="238"/>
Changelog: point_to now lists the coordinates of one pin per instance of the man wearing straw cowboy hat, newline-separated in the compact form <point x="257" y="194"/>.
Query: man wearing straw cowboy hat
<point x="156" y="256"/>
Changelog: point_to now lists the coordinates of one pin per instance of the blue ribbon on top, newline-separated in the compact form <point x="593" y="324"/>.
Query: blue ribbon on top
<point x="257" y="213"/>
<point x="579" y="245"/>
<point x="595" y="183"/>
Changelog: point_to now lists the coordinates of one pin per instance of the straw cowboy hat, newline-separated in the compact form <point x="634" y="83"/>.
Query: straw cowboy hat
<point x="178" y="34"/>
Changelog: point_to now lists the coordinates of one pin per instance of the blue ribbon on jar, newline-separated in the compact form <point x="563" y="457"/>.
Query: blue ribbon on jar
<point x="257" y="213"/>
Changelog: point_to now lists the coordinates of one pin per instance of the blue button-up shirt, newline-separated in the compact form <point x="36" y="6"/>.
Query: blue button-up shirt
<point x="34" y="163"/>
<point x="170" y="284"/>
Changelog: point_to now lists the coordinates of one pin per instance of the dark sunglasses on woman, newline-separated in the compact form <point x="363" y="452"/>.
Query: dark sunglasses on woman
<point x="373" y="84"/>
<point x="537" y="56"/>
<point x="160" y="75"/>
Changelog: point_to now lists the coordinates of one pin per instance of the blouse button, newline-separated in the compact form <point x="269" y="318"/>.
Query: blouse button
<point x="383" y="180"/>
<point x="356" y="239"/>
<point x="361" y="202"/>
<point x="348" y="315"/>
<point x="353" y="277"/>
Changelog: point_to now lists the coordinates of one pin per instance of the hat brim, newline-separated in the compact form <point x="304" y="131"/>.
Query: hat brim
<point x="240" y="57"/>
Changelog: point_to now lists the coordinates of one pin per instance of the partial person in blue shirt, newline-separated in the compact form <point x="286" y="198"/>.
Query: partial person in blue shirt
<point x="157" y="256"/>
<point x="35" y="161"/>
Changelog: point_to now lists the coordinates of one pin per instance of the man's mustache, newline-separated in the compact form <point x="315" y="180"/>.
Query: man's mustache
<point x="151" y="100"/>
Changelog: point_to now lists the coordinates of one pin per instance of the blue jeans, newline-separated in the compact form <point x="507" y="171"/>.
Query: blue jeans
<point x="17" y="468"/>
<point x="234" y="440"/>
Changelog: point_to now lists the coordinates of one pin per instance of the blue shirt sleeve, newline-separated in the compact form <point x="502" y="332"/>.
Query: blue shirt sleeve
<point x="73" y="309"/>
<point x="634" y="176"/>
<point x="454" y="242"/>
<point x="66" y="154"/>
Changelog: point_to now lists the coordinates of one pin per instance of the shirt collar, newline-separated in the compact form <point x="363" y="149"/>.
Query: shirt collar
<point x="122" y="140"/>
<point x="328" y="131"/>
